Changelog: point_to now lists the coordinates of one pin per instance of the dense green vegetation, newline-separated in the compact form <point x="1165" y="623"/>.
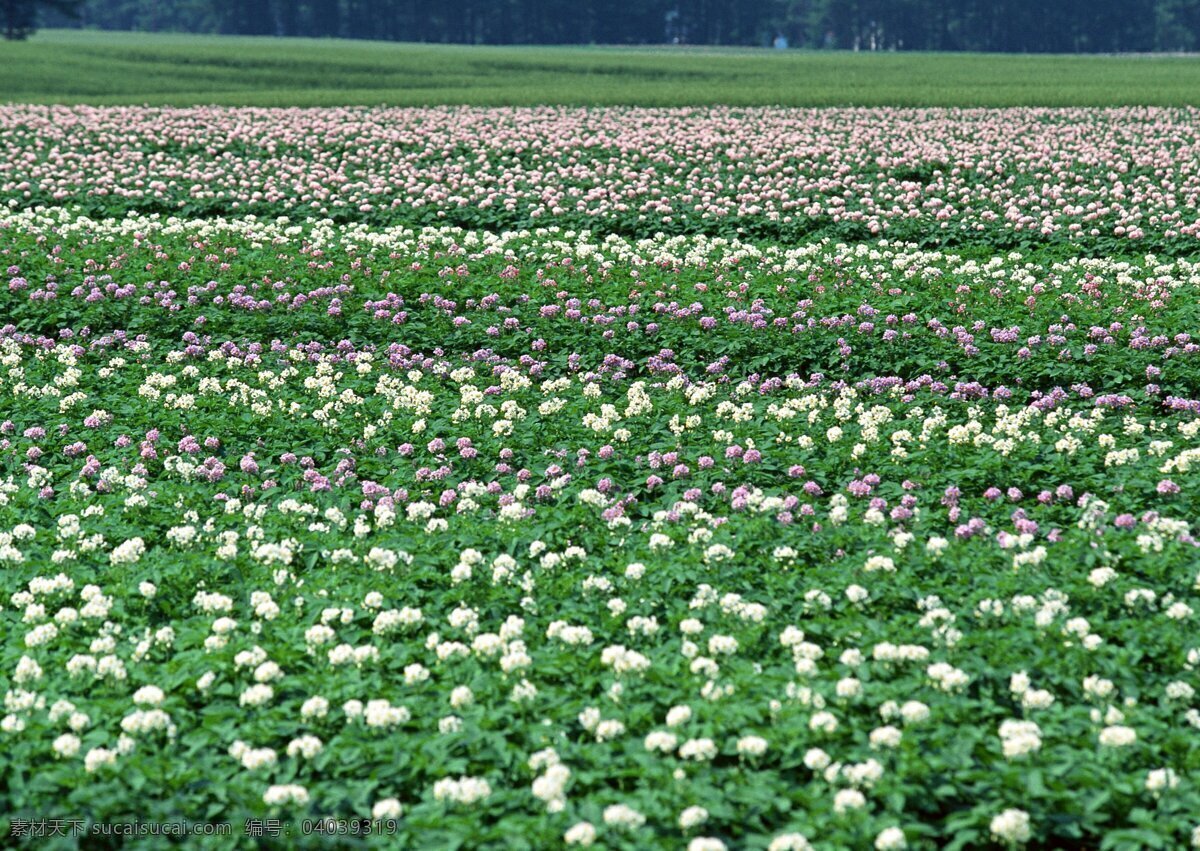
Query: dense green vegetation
<point x="534" y="541"/>
<point x="1069" y="26"/>
<point x="123" y="68"/>
<point x="640" y="478"/>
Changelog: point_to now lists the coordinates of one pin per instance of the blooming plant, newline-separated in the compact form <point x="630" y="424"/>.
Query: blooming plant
<point x="553" y="536"/>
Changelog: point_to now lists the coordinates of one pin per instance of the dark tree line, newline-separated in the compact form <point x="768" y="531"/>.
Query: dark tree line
<point x="19" y="18"/>
<point x="1061" y="26"/>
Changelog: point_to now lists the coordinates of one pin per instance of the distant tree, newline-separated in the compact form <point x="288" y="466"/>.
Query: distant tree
<point x="1033" y="26"/>
<point x="20" y="16"/>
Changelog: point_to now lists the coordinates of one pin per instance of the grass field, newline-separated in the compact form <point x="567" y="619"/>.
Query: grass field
<point x="131" y="68"/>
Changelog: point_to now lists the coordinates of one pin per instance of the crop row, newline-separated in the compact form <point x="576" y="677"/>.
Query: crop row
<point x="1011" y="325"/>
<point x="1090" y="180"/>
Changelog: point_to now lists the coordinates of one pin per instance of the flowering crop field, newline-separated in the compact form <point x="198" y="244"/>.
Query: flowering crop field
<point x="1002" y="179"/>
<point x="430" y="490"/>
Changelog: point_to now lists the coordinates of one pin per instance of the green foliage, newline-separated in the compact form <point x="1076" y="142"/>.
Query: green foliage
<point x="192" y="584"/>
<point x="18" y="18"/>
<point x="1003" y="25"/>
